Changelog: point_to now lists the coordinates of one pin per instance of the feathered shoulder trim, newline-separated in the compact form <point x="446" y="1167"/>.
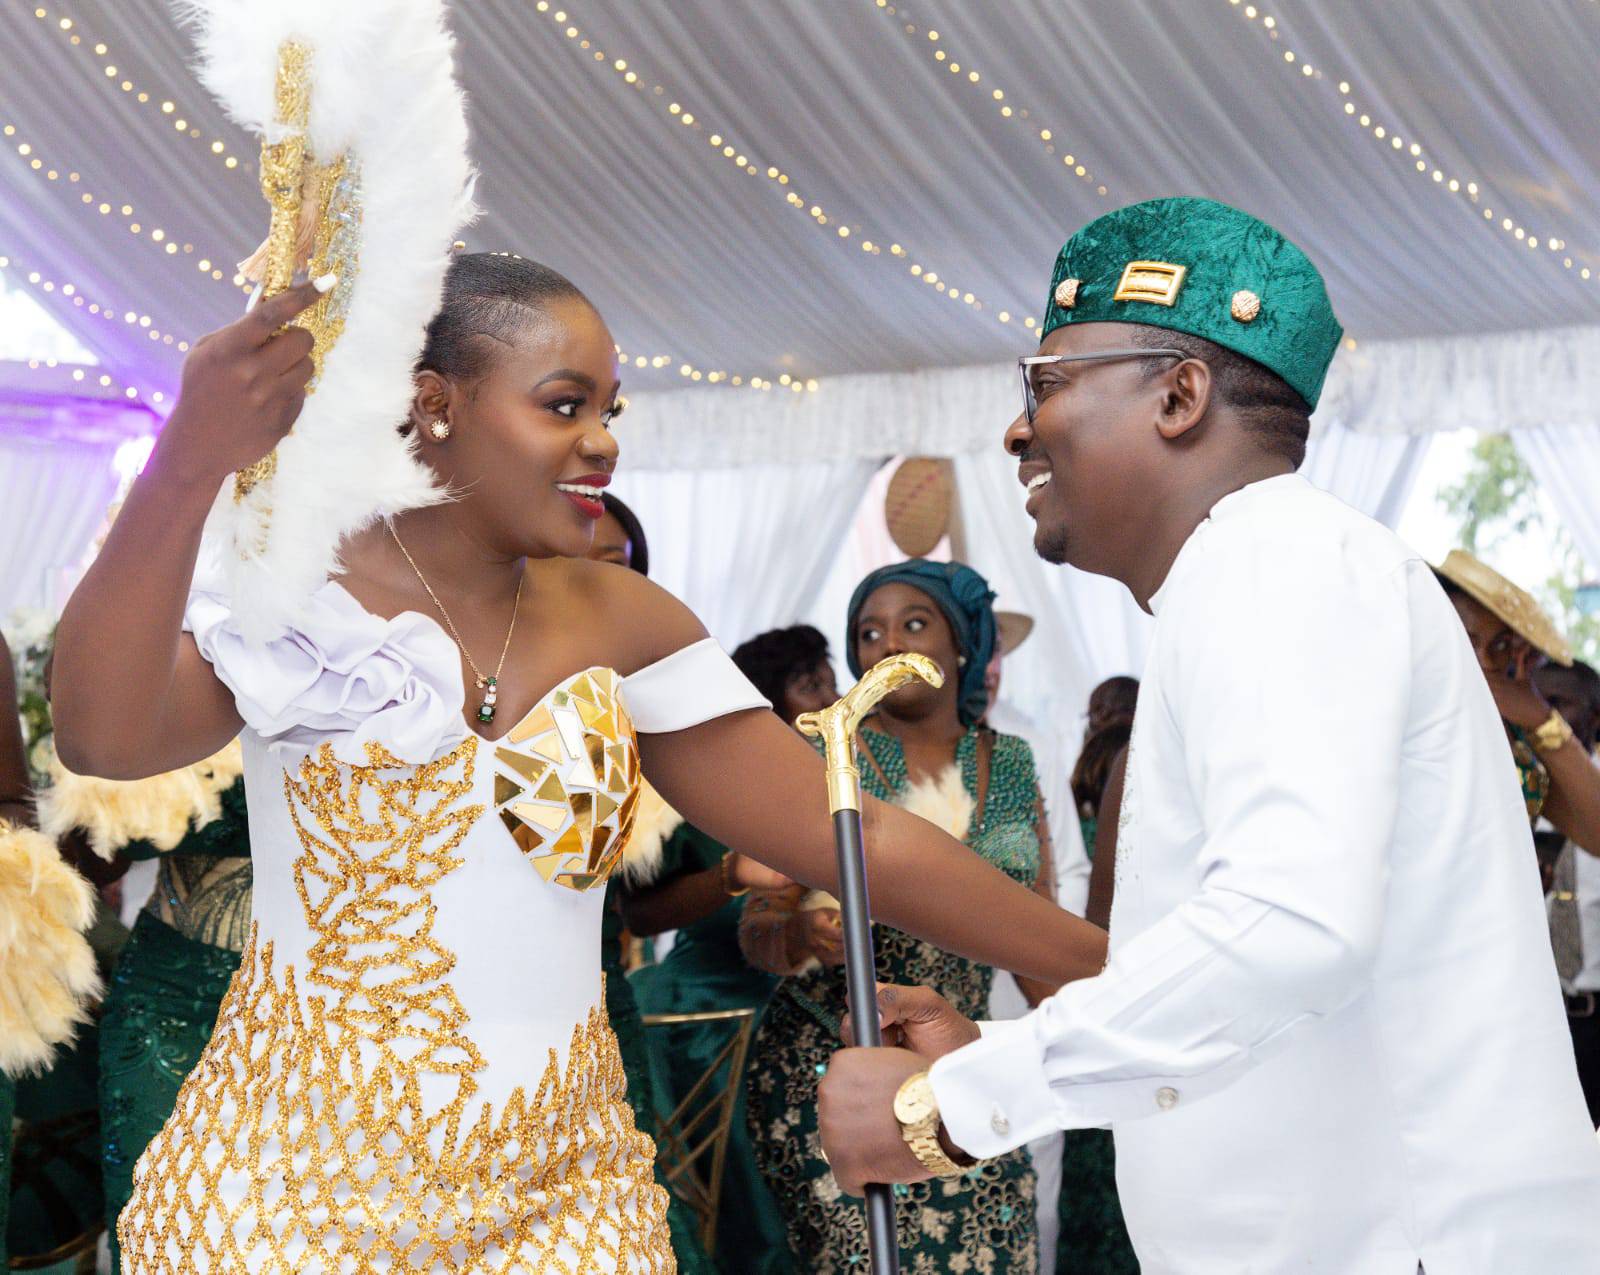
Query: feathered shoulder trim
<point x="654" y="822"/>
<point x="47" y="970"/>
<point x="162" y="809"/>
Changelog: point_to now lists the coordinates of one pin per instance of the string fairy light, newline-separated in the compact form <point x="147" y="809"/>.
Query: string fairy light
<point x="719" y="376"/>
<point x="1413" y="153"/>
<point x="842" y="231"/>
<point x="938" y="48"/>
<point x="687" y="370"/>
<point x="166" y="106"/>
<point x="94" y="309"/>
<point x="106" y="207"/>
<point x="90" y="376"/>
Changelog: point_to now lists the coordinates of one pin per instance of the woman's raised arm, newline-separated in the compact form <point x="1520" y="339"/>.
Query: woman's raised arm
<point x="131" y="695"/>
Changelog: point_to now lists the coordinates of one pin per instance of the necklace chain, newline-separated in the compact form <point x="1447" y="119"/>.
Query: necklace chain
<point x="516" y="604"/>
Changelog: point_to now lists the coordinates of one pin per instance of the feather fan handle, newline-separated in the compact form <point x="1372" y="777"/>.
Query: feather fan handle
<point x="365" y="165"/>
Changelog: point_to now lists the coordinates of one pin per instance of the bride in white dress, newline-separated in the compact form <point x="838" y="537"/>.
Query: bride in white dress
<point x="413" y="1069"/>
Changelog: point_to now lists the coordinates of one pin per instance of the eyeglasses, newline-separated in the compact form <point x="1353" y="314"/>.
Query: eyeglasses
<point x="1026" y="364"/>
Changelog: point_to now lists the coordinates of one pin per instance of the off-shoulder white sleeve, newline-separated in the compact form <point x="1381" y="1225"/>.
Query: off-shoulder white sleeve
<point x="690" y="686"/>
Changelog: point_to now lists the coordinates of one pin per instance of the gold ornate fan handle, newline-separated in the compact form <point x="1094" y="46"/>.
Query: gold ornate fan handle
<point x="282" y="174"/>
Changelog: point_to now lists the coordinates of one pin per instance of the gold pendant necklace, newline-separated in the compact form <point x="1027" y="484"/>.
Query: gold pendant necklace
<point x="490" y="686"/>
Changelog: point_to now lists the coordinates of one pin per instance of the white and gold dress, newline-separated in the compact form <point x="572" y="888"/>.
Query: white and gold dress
<point x="413" y="1068"/>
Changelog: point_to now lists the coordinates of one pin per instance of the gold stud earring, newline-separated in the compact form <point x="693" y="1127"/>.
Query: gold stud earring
<point x="440" y="429"/>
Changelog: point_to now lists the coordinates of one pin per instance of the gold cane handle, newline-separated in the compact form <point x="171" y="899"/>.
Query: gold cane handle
<point x="837" y="724"/>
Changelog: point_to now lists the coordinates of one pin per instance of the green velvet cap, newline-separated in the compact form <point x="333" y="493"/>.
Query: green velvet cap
<point x="1230" y="278"/>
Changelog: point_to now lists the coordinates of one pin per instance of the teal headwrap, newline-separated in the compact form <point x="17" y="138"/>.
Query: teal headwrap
<point x="966" y="601"/>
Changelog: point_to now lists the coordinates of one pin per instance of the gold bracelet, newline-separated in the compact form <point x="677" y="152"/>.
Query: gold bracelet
<point x="1552" y="735"/>
<point x="727" y="881"/>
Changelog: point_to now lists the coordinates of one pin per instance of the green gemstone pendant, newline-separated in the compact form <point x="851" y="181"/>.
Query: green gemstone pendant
<point x="486" y="709"/>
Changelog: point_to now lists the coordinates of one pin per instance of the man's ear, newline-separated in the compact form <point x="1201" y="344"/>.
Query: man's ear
<point x="1186" y="398"/>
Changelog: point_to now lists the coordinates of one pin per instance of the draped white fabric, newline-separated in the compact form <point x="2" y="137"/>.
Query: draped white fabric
<point x="746" y="548"/>
<point x="1566" y="463"/>
<point x="1089" y="627"/>
<point x="1373" y="472"/>
<point x="690" y="255"/>
<point x="1508" y="381"/>
<point x="53" y="496"/>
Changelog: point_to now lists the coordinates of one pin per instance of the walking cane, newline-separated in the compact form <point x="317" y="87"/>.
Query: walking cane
<point x="836" y="727"/>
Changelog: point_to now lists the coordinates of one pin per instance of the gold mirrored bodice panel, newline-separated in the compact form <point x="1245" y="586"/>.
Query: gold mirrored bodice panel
<point x="566" y="780"/>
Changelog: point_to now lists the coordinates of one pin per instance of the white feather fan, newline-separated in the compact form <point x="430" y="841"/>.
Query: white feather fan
<point x="382" y="93"/>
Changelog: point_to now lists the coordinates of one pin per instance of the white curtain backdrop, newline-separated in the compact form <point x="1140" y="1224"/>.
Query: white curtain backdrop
<point x="1089" y="627"/>
<point x="1505" y="381"/>
<point x="1566" y="463"/>
<point x="746" y="548"/>
<point x="1375" y="473"/>
<point x="53" y="495"/>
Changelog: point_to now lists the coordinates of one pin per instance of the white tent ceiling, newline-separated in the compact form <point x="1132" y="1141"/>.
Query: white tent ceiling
<point x="694" y="258"/>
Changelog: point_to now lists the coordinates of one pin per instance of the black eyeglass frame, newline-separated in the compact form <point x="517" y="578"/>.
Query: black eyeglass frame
<point x="1025" y="364"/>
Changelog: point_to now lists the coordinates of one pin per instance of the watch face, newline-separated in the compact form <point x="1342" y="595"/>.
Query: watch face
<point x="914" y="1103"/>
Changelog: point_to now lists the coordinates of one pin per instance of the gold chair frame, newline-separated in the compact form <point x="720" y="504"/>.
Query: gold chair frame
<point x="684" y="1139"/>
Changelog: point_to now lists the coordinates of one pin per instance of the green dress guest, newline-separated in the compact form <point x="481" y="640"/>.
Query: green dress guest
<point x="168" y="979"/>
<point x="705" y="971"/>
<point x="167" y="986"/>
<point x="620" y="538"/>
<point x="696" y="891"/>
<point x="923" y="750"/>
<point x="1093" y="1239"/>
<point x="628" y="1025"/>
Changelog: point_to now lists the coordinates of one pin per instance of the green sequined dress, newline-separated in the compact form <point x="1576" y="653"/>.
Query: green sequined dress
<point x="167" y="986"/>
<point x="628" y="1026"/>
<point x="1093" y="1239"/>
<point x="983" y="1221"/>
<point x="705" y="971"/>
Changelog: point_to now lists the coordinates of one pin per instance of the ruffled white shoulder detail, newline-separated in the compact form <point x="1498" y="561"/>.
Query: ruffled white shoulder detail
<point x="340" y="675"/>
<point x="692" y="685"/>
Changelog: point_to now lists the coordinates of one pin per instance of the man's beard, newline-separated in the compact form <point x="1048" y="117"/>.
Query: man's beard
<point x="1051" y="545"/>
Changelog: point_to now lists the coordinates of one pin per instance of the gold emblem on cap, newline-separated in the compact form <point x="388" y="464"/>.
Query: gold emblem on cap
<point x="1514" y="607"/>
<point x="1154" y="281"/>
<point x="1245" y="306"/>
<point x="1067" y="293"/>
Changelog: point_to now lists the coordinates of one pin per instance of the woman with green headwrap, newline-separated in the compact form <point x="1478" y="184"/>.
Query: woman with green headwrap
<point x="923" y="749"/>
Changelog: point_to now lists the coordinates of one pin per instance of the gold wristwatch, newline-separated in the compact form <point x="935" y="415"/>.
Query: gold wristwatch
<point x="1552" y="734"/>
<point x="918" y="1113"/>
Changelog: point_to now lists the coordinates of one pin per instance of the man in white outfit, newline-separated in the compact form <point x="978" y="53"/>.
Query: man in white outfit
<point x="1329" y="1035"/>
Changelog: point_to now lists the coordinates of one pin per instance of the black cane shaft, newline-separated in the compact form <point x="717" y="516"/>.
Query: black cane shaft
<point x="861" y="982"/>
<point x="855" y="912"/>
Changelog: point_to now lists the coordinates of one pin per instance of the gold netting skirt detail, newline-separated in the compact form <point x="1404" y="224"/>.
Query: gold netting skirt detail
<point x="335" y="1127"/>
<point x="290" y="1151"/>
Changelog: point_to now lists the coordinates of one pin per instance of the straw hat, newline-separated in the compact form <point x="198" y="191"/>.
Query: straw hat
<point x="917" y="504"/>
<point x="1515" y="607"/>
<point x="1015" y="629"/>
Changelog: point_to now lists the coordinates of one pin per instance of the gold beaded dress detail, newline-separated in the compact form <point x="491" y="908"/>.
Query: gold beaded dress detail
<point x="413" y="1068"/>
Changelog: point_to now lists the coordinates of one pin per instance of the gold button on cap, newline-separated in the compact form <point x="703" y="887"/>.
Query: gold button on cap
<point x="1067" y="293"/>
<point x="1166" y="1098"/>
<point x="1245" y="306"/>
